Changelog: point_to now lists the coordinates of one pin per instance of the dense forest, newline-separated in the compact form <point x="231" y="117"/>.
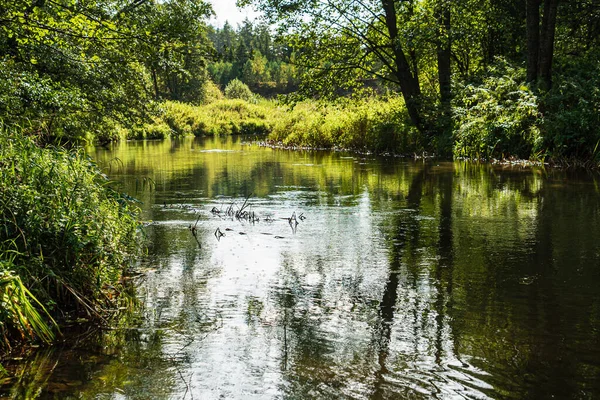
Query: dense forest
<point x="472" y="78"/>
<point x="252" y="55"/>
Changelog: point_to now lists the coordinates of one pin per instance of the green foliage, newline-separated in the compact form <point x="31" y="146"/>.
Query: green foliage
<point x="572" y="111"/>
<point x="237" y="89"/>
<point x="498" y="117"/>
<point x="252" y="55"/>
<point x="64" y="233"/>
<point x="19" y="318"/>
<point x="158" y="130"/>
<point x="212" y="92"/>
<point x="70" y="71"/>
<point x="220" y="117"/>
<point x="174" y="47"/>
<point x="377" y="125"/>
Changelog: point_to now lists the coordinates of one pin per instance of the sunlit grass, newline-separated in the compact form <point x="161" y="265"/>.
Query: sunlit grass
<point x="373" y="124"/>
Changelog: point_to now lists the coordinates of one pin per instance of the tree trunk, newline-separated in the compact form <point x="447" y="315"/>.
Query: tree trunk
<point x="155" y="84"/>
<point x="443" y="51"/>
<point x="409" y="85"/>
<point x="533" y="38"/>
<point x="547" y="42"/>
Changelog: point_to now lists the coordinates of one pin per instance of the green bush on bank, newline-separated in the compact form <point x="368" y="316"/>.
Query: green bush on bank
<point x="572" y="111"/>
<point x="497" y="118"/>
<point x="237" y="89"/>
<point x="379" y="125"/>
<point x="65" y="235"/>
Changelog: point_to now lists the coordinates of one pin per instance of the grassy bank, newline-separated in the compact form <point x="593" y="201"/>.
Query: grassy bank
<point x="65" y="239"/>
<point x="376" y="124"/>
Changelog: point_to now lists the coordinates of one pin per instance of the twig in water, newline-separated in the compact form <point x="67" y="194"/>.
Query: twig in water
<point x="194" y="230"/>
<point x="219" y="234"/>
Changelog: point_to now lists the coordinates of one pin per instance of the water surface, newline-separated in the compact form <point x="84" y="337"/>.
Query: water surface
<point x="397" y="279"/>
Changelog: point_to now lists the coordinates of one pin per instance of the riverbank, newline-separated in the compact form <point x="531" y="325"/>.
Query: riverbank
<point x="66" y="239"/>
<point x="377" y="124"/>
<point x="488" y="127"/>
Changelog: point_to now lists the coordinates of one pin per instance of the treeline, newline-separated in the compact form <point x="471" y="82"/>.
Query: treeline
<point x="252" y="55"/>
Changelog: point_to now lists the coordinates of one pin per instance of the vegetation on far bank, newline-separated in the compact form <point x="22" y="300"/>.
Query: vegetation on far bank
<point x="498" y="117"/>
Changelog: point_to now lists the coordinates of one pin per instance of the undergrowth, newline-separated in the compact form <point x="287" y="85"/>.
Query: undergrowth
<point x="65" y="238"/>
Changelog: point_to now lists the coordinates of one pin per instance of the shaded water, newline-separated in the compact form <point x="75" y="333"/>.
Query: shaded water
<point x="404" y="280"/>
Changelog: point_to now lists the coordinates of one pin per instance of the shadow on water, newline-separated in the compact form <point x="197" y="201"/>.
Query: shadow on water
<point x="405" y="280"/>
<point x="128" y="362"/>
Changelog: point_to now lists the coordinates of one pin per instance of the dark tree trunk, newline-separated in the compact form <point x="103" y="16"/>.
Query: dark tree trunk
<point x="547" y="42"/>
<point x="443" y="52"/>
<point x="409" y="85"/>
<point x="533" y="38"/>
<point x="155" y="84"/>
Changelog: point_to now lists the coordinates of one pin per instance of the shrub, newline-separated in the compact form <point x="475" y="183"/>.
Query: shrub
<point x="378" y="125"/>
<point x="572" y="111"/>
<point x="497" y="118"/>
<point x="237" y="89"/>
<point x="212" y="92"/>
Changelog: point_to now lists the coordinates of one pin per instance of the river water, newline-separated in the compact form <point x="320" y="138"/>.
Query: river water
<point x="343" y="276"/>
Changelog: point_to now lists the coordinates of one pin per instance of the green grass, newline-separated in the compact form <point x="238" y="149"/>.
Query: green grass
<point x="221" y="117"/>
<point x="378" y="125"/>
<point x="65" y="238"/>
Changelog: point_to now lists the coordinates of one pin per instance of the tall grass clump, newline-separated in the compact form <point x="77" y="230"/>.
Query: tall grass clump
<point x="65" y="238"/>
<point x="376" y="124"/>
<point x="220" y="117"/>
<point x="20" y="312"/>
<point x="498" y="117"/>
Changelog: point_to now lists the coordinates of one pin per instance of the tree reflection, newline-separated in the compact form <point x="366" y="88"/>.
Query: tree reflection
<point x="407" y="231"/>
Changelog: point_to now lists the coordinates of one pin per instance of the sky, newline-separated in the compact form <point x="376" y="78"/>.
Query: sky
<point x="227" y="11"/>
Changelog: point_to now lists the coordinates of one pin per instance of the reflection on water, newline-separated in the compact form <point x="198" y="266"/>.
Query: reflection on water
<point x="401" y="280"/>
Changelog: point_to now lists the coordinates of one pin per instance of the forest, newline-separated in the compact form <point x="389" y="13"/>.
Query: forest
<point x="476" y="79"/>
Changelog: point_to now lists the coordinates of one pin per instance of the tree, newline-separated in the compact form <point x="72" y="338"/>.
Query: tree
<point x="340" y="44"/>
<point x="176" y="47"/>
<point x="73" y="68"/>
<point x="540" y="40"/>
<point x="252" y="55"/>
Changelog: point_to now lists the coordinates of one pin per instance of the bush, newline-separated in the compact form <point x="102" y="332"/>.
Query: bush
<point x="220" y="117"/>
<point x="157" y="130"/>
<point x="237" y="89"/>
<point x="498" y="117"/>
<point x="65" y="234"/>
<point x="572" y="111"/>
<point x="212" y="92"/>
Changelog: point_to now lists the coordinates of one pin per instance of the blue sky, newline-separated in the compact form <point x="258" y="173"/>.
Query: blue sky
<point x="227" y="11"/>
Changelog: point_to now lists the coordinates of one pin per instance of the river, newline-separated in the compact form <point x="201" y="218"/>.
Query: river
<point x="342" y="276"/>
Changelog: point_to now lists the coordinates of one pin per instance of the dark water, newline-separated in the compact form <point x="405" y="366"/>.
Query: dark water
<point x="401" y="280"/>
